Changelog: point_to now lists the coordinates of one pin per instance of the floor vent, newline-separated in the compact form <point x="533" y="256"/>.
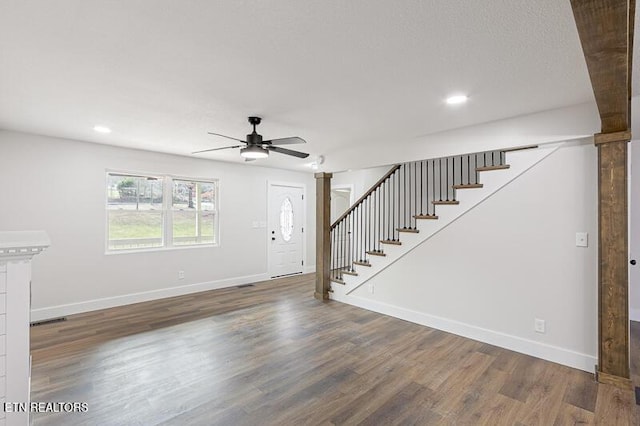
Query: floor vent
<point x="49" y="321"/>
<point x="637" y="395"/>
<point x="245" y="285"/>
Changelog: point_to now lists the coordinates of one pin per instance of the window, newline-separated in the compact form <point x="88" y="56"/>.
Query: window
<point x="147" y="212"/>
<point x="193" y="209"/>
<point x="286" y="219"/>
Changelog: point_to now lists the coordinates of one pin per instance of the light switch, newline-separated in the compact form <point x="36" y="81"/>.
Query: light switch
<point x="582" y="239"/>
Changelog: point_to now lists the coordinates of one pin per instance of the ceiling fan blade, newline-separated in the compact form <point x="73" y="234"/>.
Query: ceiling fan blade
<point x="287" y="151"/>
<point x="225" y="136"/>
<point x="285" y="141"/>
<point x="216" y="149"/>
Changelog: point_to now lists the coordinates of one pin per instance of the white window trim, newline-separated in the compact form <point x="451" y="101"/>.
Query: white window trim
<point x="167" y="209"/>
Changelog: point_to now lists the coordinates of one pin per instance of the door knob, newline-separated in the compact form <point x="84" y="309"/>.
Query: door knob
<point x="633" y="262"/>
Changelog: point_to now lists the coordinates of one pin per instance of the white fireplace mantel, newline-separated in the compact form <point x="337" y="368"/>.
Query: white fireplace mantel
<point x="22" y="244"/>
<point x="17" y="248"/>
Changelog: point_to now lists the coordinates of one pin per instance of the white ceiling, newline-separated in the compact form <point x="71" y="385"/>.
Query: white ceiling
<point x="161" y="73"/>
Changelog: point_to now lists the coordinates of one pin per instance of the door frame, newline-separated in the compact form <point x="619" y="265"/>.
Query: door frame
<point x="634" y="224"/>
<point x="270" y="184"/>
<point x="348" y="186"/>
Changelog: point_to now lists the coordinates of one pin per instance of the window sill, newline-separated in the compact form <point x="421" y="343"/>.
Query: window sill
<point x="159" y="249"/>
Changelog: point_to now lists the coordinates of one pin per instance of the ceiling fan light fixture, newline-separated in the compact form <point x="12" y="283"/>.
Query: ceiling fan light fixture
<point x="254" y="152"/>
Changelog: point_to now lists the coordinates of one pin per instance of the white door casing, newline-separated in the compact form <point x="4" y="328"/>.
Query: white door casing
<point x="341" y="200"/>
<point x="285" y="223"/>
<point x="634" y="230"/>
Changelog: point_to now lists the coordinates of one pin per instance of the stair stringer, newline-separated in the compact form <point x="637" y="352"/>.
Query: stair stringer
<point x="493" y="181"/>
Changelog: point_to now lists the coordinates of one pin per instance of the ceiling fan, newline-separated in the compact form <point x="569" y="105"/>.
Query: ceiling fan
<point x="257" y="148"/>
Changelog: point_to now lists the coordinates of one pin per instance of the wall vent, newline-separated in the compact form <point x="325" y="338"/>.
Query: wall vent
<point x="48" y="321"/>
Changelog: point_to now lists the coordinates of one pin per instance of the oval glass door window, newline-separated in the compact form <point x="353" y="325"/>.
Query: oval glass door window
<point x="286" y="219"/>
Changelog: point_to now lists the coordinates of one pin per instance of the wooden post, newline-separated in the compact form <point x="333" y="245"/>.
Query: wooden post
<point x="606" y="33"/>
<point x="613" y="286"/>
<point x="323" y="234"/>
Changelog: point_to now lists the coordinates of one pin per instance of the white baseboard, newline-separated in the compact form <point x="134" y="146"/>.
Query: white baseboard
<point x="634" y="314"/>
<point x="127" y="299"/>
<point x="556" y="354"/>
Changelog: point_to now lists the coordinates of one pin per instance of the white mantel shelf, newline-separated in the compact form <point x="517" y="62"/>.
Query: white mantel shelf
<point x="22" y="243"/>
<point x="17" y="248"/>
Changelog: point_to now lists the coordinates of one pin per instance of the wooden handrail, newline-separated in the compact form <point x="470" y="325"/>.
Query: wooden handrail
<point x="397" y="166"/>
<point x="519" y="148"/>
<point x="396" y="203"/>
<point x="373" y="188"/>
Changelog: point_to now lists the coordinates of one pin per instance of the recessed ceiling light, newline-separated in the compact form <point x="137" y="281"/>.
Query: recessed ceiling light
<point x="457" y="99"/>
<point x="102" y="129"/>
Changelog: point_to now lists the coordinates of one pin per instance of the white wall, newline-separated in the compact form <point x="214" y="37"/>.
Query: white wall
<point x="634" y="231"/>
<point x="59" y="186"/>
<point x="557" y="125"/>
<point x="362" y="179"/>
<point x="509" y="260"/>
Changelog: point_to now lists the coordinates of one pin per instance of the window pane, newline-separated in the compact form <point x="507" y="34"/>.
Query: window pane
<point x="131" y="229"/>
<point x="183" y="195"/>
<point x="286" y="219"/>
<point x="189" y="227"/>
<point x="193" y="205"/>
<point x="208" y="196"/>
<point x="134" y="193"/>
<point x="134" y="209"/>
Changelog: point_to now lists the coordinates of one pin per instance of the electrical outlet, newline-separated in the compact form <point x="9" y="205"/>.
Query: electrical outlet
<point x="180" y="275"/>
<point x="538" y="325"/>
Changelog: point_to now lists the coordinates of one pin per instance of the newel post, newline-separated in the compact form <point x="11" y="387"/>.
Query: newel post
<point x="323" y="234"/>
<point x="613" y="285"/>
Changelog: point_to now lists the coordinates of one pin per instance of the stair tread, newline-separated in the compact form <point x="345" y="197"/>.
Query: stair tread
<point x="357" y="262"/>
<point x="336" y="280"/>
<point x="488" y="168"/>
<point x="425" y="216"/>
<point x="445" y="202"/>
<point x="354" y="273"/>
<point x="394" y="242"/>
<point x="412" y="230"/>
<point x="376" y="253"/>
<point x="468" y="186"/>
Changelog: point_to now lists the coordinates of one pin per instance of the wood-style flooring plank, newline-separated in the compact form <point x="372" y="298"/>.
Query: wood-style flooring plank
<point x="271" y="354"/>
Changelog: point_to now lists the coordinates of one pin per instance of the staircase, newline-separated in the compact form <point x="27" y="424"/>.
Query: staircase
<point x="411" y="203"/>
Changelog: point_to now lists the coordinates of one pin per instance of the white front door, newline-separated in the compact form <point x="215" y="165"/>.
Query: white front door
<point x="285" y="221"/>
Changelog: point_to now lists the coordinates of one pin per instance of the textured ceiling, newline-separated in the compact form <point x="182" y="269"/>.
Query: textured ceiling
<point x="161" y="73"/>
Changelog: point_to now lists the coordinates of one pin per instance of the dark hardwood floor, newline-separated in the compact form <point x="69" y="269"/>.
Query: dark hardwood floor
<point x="273" y="355"/>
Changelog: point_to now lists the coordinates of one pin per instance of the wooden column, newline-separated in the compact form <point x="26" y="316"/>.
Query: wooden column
<point x="613" y="286"/>
<point x="323" y="234"/>
<point x="606" y="34"/>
